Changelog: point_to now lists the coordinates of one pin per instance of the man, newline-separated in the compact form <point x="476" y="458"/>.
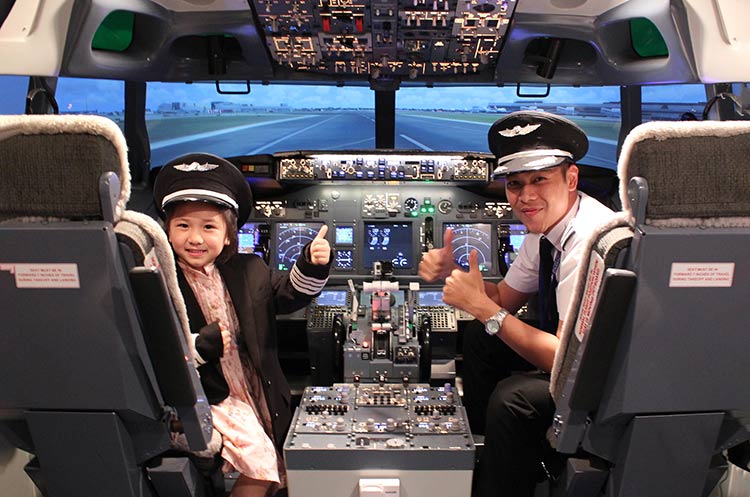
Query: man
<point x="536" y="155"/>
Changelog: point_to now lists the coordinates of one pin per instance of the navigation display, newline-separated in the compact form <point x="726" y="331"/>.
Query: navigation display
<point x="388" y="242"/>
<point x="468" y="237"/>
<point x="290" y="238"/>
<point x="332" y="297"/>
<point x="430" y="298"/>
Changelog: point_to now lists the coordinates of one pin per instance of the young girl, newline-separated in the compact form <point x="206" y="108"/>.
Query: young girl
<point x="232" y="300"/>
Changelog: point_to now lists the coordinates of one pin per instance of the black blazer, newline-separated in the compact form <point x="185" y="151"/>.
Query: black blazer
<point x="258" y="294"/>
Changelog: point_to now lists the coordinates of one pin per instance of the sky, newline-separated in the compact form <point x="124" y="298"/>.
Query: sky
<point x="81" y="95"/>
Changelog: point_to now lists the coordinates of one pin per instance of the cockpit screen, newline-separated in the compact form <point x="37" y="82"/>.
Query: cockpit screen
<point x="344" y="235"/>
<point x="248" y="237"/>
<point x="430" y="298"/>
<point x="290" y="238"/>
<point x="468" y="237"/>
<point x="343" y="259"/>
<point x="388" y="242"/>
<point x="332" y="297"/>
<point x="516" y="235"/>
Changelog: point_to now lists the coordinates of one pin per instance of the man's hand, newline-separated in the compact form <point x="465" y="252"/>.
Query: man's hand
<point x="437" y="264"/>
<point x="320" y="250"/>
<point x="465" y="290"/>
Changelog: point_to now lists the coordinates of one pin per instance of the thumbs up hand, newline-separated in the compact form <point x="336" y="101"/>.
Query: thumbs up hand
<point x="464" y="289"/>
<point x="438" y="263"/>
<point x="320" y="249"/>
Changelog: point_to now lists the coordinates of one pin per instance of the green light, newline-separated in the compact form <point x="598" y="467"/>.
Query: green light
<point x="646" y="39"/>
<point x="115" y="33"/>
<point x="427" y="201"/>
<point x="430" y="209"/>
<point x="413" y="213"/>
<point x="422" y="210"/>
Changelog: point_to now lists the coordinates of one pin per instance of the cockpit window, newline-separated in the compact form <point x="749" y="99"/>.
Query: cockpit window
<point x="673" y="102"/>
<point x="92" y="96"/>
<point x="271" y="118"/>
<point x="13" y="89"/>
<point x="183" y="118"/>
<point x="458" y="118"/>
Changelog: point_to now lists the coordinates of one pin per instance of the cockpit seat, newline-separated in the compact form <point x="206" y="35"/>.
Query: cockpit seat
<point x="97" y="372"/>
<point x="650" y="379"/>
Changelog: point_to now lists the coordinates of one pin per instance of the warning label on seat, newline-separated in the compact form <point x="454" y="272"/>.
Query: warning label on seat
<point x="44" y="275"/>
<point x="701" y="274"/>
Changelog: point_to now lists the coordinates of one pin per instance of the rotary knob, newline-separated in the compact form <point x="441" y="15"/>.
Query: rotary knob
<point x="395" y="443"/>
<point x="445" y="206"/>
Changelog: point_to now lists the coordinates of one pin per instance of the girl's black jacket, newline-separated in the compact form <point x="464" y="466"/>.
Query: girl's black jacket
<point x="258" y="294"/>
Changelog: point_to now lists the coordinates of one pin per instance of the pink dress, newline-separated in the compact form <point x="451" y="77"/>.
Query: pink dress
<point x="243" y="418"/>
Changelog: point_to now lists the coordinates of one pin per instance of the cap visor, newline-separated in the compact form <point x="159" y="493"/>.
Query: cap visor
<point x="192" y="197"/>
<point x="524" y="164"/>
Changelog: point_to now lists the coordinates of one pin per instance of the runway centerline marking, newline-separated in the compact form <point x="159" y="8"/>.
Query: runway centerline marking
<point x="290" y="135"/>
<point x="415" y="142"/>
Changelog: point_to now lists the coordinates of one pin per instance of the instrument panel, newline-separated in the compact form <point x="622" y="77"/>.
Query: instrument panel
<point x="411" y="438"/>
<point x="380" y="207"/>
<point x="361" y="233"/>
<point x="369" y="166"/>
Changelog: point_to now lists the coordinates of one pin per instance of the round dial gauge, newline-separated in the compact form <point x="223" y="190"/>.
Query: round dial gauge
<point x="411" y="204"/>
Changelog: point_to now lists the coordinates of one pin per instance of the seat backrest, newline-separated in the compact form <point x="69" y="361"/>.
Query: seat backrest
<point x="656" y="345"/>
<point x="62" y="271"/>
<point x="90" y="370"/>
<point x="685" y="336"/>
<point x="51" y="166"/>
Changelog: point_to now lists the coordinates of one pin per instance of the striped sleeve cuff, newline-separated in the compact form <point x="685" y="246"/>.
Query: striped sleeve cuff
<point x="306" y="284"/>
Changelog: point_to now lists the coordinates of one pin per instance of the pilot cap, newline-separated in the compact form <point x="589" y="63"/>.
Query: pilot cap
<point x="203" y="177"/>
<point x="532" y="140"/>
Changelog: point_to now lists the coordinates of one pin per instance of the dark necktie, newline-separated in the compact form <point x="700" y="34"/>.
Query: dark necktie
<point x="548" y="317"/>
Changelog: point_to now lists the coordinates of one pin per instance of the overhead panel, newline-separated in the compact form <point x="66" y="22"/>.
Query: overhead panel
<point x="408" y="39"/>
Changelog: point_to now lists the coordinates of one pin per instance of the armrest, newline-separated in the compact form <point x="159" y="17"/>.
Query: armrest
<point x="177" y="378"/>
<point x="602" y="339"/>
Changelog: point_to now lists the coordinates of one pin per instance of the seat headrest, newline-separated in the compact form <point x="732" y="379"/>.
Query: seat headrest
<point x="50" y="165"/>
<point x="695" y="170"/>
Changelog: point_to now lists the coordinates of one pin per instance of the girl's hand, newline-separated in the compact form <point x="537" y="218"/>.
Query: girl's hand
<point x="320" y="250"/>
<point x="227" y="337"/>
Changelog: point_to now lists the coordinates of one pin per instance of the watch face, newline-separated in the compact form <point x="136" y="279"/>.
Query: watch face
<point x="492" y="326"/>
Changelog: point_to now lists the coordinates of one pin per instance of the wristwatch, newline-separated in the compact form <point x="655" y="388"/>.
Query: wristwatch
<point x="495" y="323"/>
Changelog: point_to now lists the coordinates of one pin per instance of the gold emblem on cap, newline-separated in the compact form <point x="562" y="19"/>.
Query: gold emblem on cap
<point x="195" y="167"/>
<point x="519" y="130"/>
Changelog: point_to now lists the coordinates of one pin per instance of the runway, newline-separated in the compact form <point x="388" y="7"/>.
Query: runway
<point x="346" y="130"/>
